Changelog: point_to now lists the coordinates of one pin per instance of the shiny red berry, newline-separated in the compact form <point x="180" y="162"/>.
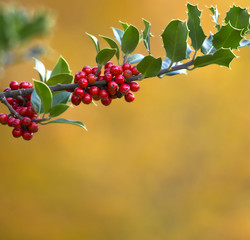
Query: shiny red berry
<point x="106" y="101"/>
<point x="30" y="111"/>
<point x="23" y="85"/>
<point x="16" y="123"/>
<point x="79" y="92"/>
<point x="134" y="70"/>
<point x="10" y="121"/>
<point x="130" y="97"/>
<point x="87" y="70"/>
<point x="26" y="121"/>
<point x="91" y="78"/>
<point x="33" y="127"/>
<point x="120" y="79"/>
<point x="127" y="74"/>
<point x="79" y="75"/>
<point x="75" y="100"/>
<point x="3" y="118"/>
<point x="17" y="132"/>
<point x="10" y="100"/>
<point x="115" y="70"/>
<point x="108" y="77"/>
<point x="112" y="85"/>
<point x="134" y="86"/>
<point x="124" y="88"/>
<point x="83" y="83"/>
<point x="94" y="91"/>
<point x="103" y="93"/>
<point x="87" y="99"/>
<point x="108" y="65"/>
<point x="14" y="85"/>
<point x="23" y="111"/>
<point x="107" y="70"/>
<point x="94" y="71"/>
<point x="6" y="89"/>
<point x="126" y="66"/>
<point x="27" y="135"/>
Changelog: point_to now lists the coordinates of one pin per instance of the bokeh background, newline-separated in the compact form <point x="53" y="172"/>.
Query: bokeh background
<point x="174" y="164"/>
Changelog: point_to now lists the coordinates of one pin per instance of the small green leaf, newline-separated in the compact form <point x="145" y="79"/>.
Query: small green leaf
<point x="118" y="35"/>
<point x="135" y="58"/>
<point x="146" y="34"/>
<point x="58" y="110"/>
<point x="95" y="41"/>
<point x="40" y="69"/>
<point x="130" y="40"/>
<point x="175" y="40"/>
<point x="61" y="67"/>
<point x="227" y="37"/>
<point x="112" y="44"/>
<point x="245" y="43"/>
<point x="238" y="17"/>
<point x="149" y="66"/>
<point x="44" y="93"/>
<point x="194" y="24"/>
<point x="221" y="57"/>
<point x="36" y="102"/>
<point x="60" y="78"/>
<point x="124" y="25"/>
<point x="61" y="98"/>
<point x="105" y="55"/>
<point x="62" y="120"/>
<point x="207" y="45"/>
<point x="215" y="16"/>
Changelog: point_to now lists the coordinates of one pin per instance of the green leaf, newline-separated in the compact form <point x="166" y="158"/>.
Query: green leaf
<point x="238" y="17"/>
<point x="105" y="55"/>
<point x="175" y="40"/>
<point x="149" y="66"/>
<point x="36" y="102"/>
<point x="62" y="120"/>
<point x="112" y="44"/>
<point x="40" y="69"/>
<point x="61" y="98"/>
<point x="95" y="41"/>
<point x="58" y="110"/>
<point x="207" y="46"/>
<point x="215" y="16"/>
<point x="135" y="58"/>
<point x="44" y="93"/>
<point x="189" y="50"/>
<point x="61" y="67"/>
<point x="124" y="25"/>
<point x="194" y="24"/>
<point x="245" y="43"/>
<point x="146" y="34"/>
<point x="130" y="40"/>
<point x="227" y="37"/>
<point x="118" y="35"/>
<point x="221" y="57"/>
<point x="60" y="78"/>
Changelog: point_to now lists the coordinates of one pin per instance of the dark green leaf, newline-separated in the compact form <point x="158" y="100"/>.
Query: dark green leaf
<point x="124" y="25"/>
<point x="118" y="34"/>
<point x="245" y="43"/>
<point x="60" y="78"/>
<point x="207" y="46"/>
<point x="146" y="34"/>
<point x="95" y="41"/>
<point x="215" y="16"/>
<point x="238" y="17"/>
<point x="194" y="24"/>
<point x="112" y="44"/>
<point x="44" y="93"/>
<point x="61" y="67"/>
<point x="58" y="110"/>
<point x="62" y="120"/>
<point x="149" y="66"/>
<point x="135" y="58"/>
<point x="40" y="69"/>
<point x="221" y="57"/>
<point x="130" y="40"/>
<point x="175" y="40"/>
<point x="227" y="37"/>
<point x="61" y="98"/>
<point x="36" y="102"/>
<point x="105" y="55"/>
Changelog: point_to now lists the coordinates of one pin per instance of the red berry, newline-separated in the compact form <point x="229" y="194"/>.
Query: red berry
<point x="75" y="100"/>
<point x="91" y="78"/>
<point x="26" y="121"/>
<point x="83" y="83"/>
<point x="96" y="98"/>
<point x="127" y="74"/>
<point x="87" y="70"/>
<point x="94" y="71"/>
<point x="28" y="104"/>
<point x="134" y="70"/>
<point x="126" y="66"/>
<point x="115" y="70"/>
<point x="107" y="70"/>
<point x="108" y="77"/>
<point x="16" y="123"/>
<point x="112" y="85"/>
<point x="30" y="111"/>
<point x="134" y="86"/>
<point x="29" y="85"/>
<point x="103" y="93"/>
<point x="33" y="127"/>
<point x="106" y="101"/>
<point x="14" y="85"/>
<point x="17" y="132"/>
<point x="124" y="88"/>
<point x="108" y="65"/>
<point x="130" y="97"/>
<point x="79" y="75"/>
<point x="79" y="92"/>
<point x="100" y="78"/>
<point x="23" y="111"/>
<point x="10" y="100"/>
<point x="27" y="135"/>
<point x="3" y="118"/>
<point x="119" y="79"/>
<point x="94" y="91"/>
<point x="10" y="121"/>
<point x="87" y="99"/>
<point x="6" y="89"/>
<point x="23" y="85"/>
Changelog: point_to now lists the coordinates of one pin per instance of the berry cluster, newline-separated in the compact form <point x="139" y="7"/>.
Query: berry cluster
<point x="116" y="85"/>
<point x="25" y="125"/>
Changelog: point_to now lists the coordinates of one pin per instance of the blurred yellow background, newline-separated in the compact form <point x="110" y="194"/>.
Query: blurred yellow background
<point x="174" y="164"/>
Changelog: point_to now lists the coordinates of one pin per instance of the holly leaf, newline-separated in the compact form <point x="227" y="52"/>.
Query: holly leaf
<point x="61" y="98"/>
<point x="149" y="66"/>
<point x="124" y="25"/>
<point x="118" y="34"/>
<point x="105" y="55"/>
<point x="189" y="50"/>
<point x="58" y="109"/>
<point x="95" y="41"/>
<point x="113" y="45"/>
<point x="130" y="40"/>
<point x="194" y="24"/>
<point x="165" y="64"/>
<point x="146" y="34"/>
<point x="135" y="58"/>
<point x="40" y="68"/>
<point x="227" y="37"/>
<point x="61" y="67"/>
<point x="62" y="120"/>
<point x="36" y="102"/>
<point x="207" y="46"/>
<point x="60" y="78"/>
<point x="222" y="57"/>
<point x="245" y="43"/>
<point x="175" y="40"/>
<point x="215" y="16"/>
